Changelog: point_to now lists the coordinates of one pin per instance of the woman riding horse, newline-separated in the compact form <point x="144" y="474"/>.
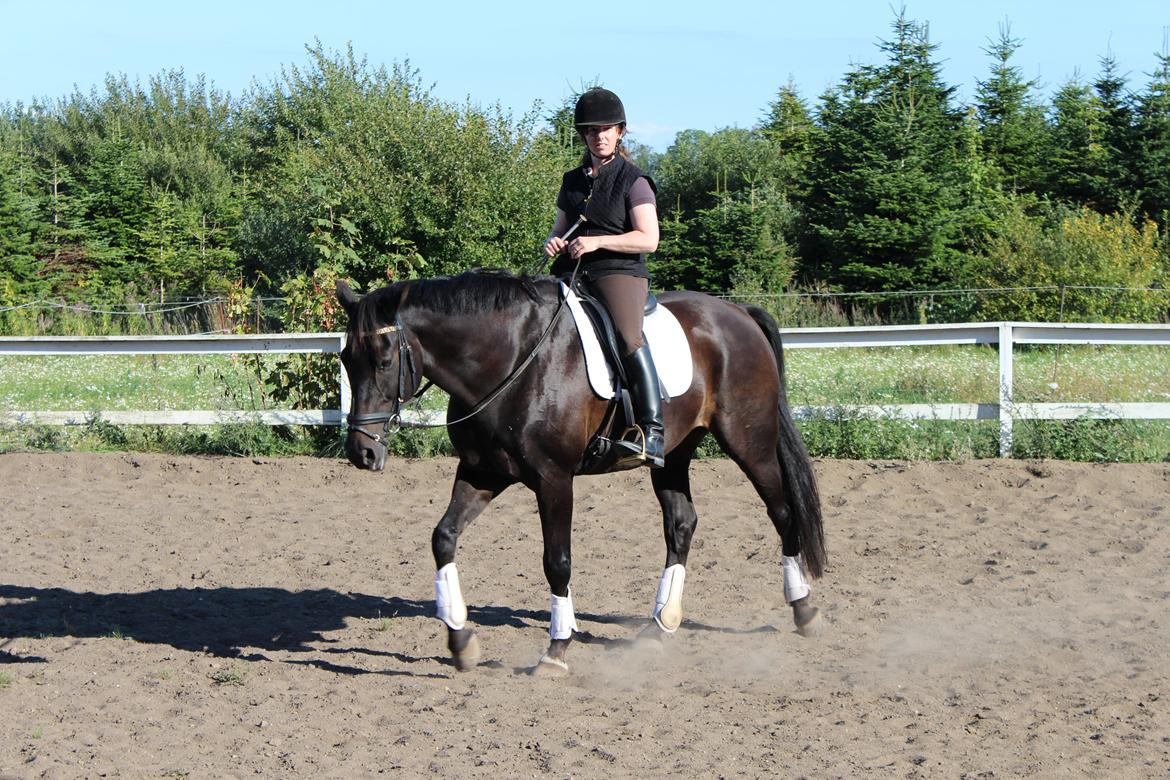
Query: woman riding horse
<point x="521" y="411"/>
<point x="613" y="201"/>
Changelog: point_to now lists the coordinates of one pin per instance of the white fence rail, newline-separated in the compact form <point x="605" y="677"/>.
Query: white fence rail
<point x="1003" y="334"/>
<point x="180" y="345"/>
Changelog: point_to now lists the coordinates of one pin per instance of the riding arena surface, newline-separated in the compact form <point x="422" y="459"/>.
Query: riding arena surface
<point x="216" y="617"/>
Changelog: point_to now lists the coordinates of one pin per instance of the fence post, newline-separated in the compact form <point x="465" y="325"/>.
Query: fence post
<point x="1006" y="379"/>
<point x="344" y="379"/>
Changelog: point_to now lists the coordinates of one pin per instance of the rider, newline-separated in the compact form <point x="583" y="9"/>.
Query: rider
<point x="621" y="225"/>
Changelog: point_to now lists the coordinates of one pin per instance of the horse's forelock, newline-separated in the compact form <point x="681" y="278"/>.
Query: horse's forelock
<point x="372" y="313"/>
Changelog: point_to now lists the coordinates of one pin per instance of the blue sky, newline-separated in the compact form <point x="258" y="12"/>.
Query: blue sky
<point x="677" y="65"/>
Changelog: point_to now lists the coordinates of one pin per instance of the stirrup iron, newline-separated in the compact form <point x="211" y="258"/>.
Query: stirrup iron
<point x="633" y="442"/>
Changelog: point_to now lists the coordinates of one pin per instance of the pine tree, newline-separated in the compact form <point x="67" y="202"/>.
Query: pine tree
<point x="18" y="265"/>
<point x="1152" y="143"/>
<point x="1010" y="120"/>
<point x="1076" y="151"/>
<point x="789" y="128"/>
<point x="884" y="171"/>
<point x="1113" y="180"/>
<point x="114" y="203"/>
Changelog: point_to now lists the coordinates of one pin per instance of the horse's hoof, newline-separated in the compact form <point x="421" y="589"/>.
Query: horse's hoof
<point x="808" y="620"/>
<point x="548" y="666"/>
<point x="464" y="647"/>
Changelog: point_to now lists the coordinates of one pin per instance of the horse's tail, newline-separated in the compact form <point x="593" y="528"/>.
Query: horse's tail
<point x="804" y="501"/>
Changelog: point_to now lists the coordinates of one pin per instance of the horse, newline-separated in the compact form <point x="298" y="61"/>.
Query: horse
<point x="521" y="411"/>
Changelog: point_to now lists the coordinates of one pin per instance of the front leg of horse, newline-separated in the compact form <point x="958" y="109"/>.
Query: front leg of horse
<point x="470" y="494"/>
<point x="452" y="610"/>
<point x="555" y="499"/>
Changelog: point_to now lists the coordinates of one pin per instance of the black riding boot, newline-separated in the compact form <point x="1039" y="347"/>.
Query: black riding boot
<point x="649" y="443"/>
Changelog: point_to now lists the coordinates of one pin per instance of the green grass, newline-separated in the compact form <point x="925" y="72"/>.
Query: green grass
<point x="969" y="374"/>
<point x="125" y="382"/>
<point x="961" y="374"/>
<point x="5" y="680"/>
<point x="816" y="377"/>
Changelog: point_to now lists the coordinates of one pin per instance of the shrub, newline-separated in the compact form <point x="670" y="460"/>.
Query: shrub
<point x="1052" y="257"/>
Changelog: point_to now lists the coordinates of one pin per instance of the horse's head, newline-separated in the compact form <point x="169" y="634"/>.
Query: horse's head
<point x="382" y="361"/>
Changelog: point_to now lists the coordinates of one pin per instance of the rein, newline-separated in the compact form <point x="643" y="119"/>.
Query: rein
<point x="392" y="421"/>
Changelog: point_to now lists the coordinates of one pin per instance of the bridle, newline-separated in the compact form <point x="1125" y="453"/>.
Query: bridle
<point x="392" y="421"/>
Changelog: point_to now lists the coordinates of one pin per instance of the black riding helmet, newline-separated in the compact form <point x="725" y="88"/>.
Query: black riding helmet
<point x="598" y="106"/>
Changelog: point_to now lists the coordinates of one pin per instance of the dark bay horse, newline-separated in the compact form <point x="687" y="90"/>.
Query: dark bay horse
<point x="501" y="349"/>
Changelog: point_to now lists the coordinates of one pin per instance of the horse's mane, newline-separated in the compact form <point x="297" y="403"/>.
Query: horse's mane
<point x="471" y="292"/>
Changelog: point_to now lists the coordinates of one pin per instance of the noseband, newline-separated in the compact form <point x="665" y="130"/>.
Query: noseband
<point x="392" y="420"/>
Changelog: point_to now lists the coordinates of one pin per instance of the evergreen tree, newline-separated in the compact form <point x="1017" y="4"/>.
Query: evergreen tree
<point x="738" y="244"/>
<point x="19" y="265"/>
<point x="1076" y="152"/>
<point x="1113" y="180"/>
<point x="1011" y="122"/>
<point x="113" y="205"/>
<point x="884" y="173"/>
<point x="1152" y="143"/>
<point x="789" y="128"/>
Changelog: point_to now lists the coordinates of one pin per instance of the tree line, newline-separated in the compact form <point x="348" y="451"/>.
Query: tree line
<point x="886" y="183"/>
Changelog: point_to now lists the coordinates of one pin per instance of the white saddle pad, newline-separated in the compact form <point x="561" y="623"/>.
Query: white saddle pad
<point x="668" y="346"/>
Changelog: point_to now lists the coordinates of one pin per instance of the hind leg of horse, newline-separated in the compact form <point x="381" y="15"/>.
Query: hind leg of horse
<point x="471" y="493"/>
<point x="555" y="501"/>
<point x="762" y="467"/>
<point x="672" y="486"/>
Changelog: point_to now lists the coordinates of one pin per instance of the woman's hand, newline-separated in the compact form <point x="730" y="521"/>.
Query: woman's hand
<point x="554" y="246"/>
<point x="583" y="245"/>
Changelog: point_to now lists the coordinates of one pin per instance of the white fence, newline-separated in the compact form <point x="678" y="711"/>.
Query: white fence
<point x="1004" y="334"/>
<point x="180" y="345"/>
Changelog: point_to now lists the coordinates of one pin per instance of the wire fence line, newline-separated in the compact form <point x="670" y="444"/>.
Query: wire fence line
<point x="943" y="291"/>
<point x="130" y="309"/>
<point x="793" y="308"/>
<point x="177" y="304"/>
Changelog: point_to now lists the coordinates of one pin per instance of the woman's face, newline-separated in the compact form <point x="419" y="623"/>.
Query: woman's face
<point x="602" y="140"/>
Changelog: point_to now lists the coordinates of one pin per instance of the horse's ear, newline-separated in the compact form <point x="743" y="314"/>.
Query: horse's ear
<point x="346" y="296"/>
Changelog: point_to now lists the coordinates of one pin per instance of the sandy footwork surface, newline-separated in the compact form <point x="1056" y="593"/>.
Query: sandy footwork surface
<point x="187" y="617"/>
